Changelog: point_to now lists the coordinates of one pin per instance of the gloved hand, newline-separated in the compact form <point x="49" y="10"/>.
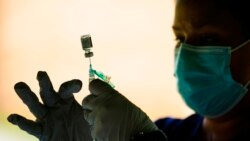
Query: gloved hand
<point x="59" y="118"/>
<point x="112" y="116"/>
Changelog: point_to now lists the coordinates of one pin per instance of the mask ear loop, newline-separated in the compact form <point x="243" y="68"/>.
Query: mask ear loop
<point x="241" y="45"/>
<point x="238" y="47"/>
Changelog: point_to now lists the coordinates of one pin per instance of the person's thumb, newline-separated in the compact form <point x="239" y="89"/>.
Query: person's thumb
<point x="98" y="87"/>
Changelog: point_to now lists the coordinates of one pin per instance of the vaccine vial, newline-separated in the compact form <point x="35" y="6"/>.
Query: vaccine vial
<point x="87" y="45"/>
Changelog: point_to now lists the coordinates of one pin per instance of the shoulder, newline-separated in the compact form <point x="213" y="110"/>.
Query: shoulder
<point x="180" y="128"/>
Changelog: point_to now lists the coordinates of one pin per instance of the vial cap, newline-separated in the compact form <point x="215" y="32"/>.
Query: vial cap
<point x="89" y="54"/>
<point x="86" y="41"/>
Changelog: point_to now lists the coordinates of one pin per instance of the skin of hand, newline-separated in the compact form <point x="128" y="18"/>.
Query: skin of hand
<point x="112" y="116"/>
<point x="59" y="117"/>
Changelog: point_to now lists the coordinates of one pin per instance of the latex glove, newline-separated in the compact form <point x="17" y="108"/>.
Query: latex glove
<point x="59" y="118"/>
<point x="112" y="116"/>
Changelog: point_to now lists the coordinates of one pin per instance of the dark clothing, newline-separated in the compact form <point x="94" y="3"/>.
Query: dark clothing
<point x="181" y="129"/>
<point x="188" y="129"/>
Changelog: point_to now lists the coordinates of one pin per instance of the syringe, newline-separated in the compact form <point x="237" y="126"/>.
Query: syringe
<point x="87" y="45"/>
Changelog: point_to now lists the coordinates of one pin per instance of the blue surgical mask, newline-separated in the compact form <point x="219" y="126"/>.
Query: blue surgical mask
<point x="204" y="79"/>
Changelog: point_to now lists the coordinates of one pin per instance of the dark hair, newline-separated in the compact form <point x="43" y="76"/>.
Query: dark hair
<point x="238" y="8"/>
<point x="240" y="11"/>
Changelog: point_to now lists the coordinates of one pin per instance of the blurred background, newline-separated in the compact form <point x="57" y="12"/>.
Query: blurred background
<point x="132" y="42"/>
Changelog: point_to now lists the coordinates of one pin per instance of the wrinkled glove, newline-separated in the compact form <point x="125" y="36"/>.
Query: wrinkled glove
<point x="112" y="116"/>
<point x="59" y="118"/>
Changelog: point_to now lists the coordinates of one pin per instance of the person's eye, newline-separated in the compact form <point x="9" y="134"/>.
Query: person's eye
<point x="209" y="40"/>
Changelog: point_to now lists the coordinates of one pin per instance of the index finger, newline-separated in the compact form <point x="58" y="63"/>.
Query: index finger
<point x="98" y="87"/>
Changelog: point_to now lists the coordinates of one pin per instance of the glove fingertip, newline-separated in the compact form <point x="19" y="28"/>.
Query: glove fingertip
<point x="95" y="81"/>
<point x="20" y="85"/>
<point x="67" y="89"/>
<point x="41" y="74"/>
<point x="77" y="85"/>
<point x="98" y="87"/>
<point x="72" y="86"/>
<point x="12" y="118"/>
